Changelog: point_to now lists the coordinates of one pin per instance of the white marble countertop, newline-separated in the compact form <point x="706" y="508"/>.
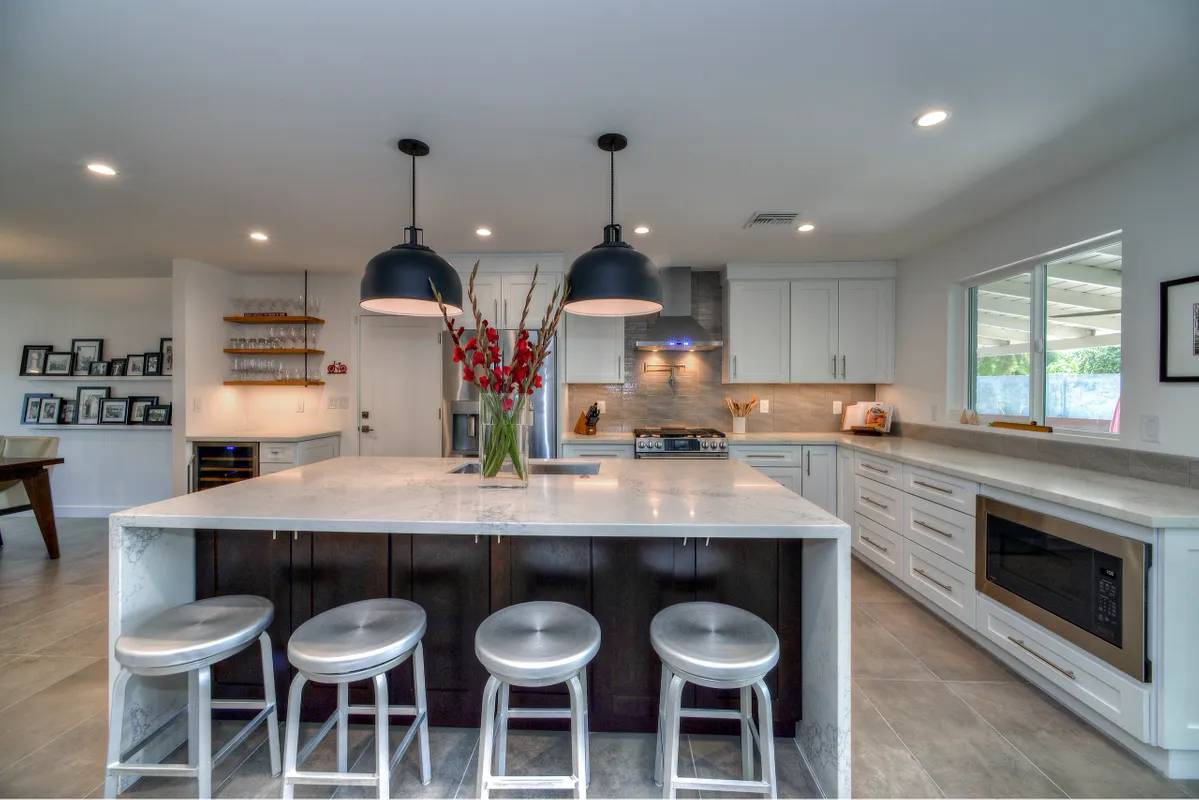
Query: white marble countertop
<point x="724" y="499"/>
<point x="260" y="436"/>
<point x="600" y="437"/>
<point x="799" y="437"/>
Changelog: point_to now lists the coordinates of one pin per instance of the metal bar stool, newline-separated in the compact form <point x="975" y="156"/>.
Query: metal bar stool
<point x="350" y="643"/>
<point x="530" y="645"/>
<point x="722" y="647"/>
<point x="191" y="638"/>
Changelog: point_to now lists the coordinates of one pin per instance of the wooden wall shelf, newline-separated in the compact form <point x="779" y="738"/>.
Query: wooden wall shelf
<point x="277" y="351"/>
<point x="245" y="319"/>
<point x="94" y="378"/>
<point x="275" y="383"/>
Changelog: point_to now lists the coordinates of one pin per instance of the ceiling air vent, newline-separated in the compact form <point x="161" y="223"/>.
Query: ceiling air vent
<point x="772" y="219"/>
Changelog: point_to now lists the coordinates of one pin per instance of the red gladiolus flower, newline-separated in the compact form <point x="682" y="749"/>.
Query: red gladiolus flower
<point x="492" y="335"/>
<point x="507" y="370"/>
<point x="494" y="352"/>
<point x="473" y="344"/>
<point x="484" y="381"/>
<point x="478" y="359"/>
<point x="458" y="354"/>
<point x="508" y="403"/>
<point x="468" y="375"/>
<point x="461" y="331"/>
<point x="537" y="382"/>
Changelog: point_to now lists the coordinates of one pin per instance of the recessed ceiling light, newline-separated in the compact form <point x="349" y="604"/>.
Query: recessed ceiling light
<point x="641" y="230"/>
<point x="100" y="168"/>
<point x="259" y="236"/>
<point x="931" y="118"/>
<point x="484" y="232"/>
<point x="807" y="227"/>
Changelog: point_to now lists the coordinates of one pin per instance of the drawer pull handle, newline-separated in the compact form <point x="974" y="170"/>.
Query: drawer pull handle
<point x="935" y="488"/>
<point x="873" y="543"/>
<point x="876" y="469"/>
<point x="928" y="527"/>
<point x="1069" y="673"/>
<point x="925" y="575"/>
<point x="765" y="455"/>
<point x="875" y="503"/>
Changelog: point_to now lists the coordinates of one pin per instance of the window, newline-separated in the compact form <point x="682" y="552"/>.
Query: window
<point x="1045" y="342"/>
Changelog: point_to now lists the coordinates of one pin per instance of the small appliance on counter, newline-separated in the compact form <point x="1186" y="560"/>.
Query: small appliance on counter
<point x="687" y="443"/>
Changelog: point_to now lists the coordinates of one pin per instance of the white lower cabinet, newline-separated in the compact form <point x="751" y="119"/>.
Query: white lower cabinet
<point x="946" y="532"/>
<point x="943" y="583"/>
<point x="807" y="470"/>
<point x="589" y="450"/>
<point x="1105" y="690"/>
<point x="879" y="502"/>
<point x="873" y="541"/>
<point x="820" y="476"/>
<point x="790" y="477"/>
<point x="845" y="484"/>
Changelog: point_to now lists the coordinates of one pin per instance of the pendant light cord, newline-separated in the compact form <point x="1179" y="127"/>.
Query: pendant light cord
<point x="612" y="186"/>
<point x="414" y="191"/>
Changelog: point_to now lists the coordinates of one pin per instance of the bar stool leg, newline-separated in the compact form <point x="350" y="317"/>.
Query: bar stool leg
<point x="486" y="737"/>
<point x="674" y="698"/>
<point x="422" y="710"/>
<point x="586" y="724"/>
<point x="204" y="731"/>
<point x="291" y="740"/>
<point x="193" y="719"/>
<point x="747" y="740"/>
<point x="268" y="696"/>
<point x="343" y="725"/>
<point x="501" y="734"/>
<point x="116" y="717"/>
<point x="662" y="690"/>
<point x="578" y="735"/>
<point x="382" y="751"/>
<point x="766" y="736"/>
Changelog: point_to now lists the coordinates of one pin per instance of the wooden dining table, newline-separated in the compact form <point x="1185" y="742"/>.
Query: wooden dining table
<point x="34" y="473"/>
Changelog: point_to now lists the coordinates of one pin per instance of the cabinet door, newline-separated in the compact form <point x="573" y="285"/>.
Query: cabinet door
<point x="820" y="476"/>
<point x="597" y="450"/>
<point x="788" y="476"/>
<point x="594" y="349"/>
<point x="845" y="479"/>
<point x="757" y="349"/>
<point x="814" y="331"/>
<point x="487" y="293"/>
<point x="515" y="286"/>
<point x="317" y="450"/>
<point x="866" y="330"/>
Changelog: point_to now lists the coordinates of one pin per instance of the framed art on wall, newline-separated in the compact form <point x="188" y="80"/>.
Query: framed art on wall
<point x="158" y="415"/>
<point x="59" y="363"/>
<point x="166" y="346"/>
<point x="1179" y="347"/>
<point x="48" y="413"/>
<point x="98" y="369"/>
<point x="116" y="367"/>
<point x="135" y="365"/>
<point x="114" y="411"/>
<point x="86" y="351"/>
<point x="33" y="358"/>
<point x="87" y="404"/>
<point x="153" y="363"/>
<point x="31" y="407"/>
<point x="66" y="415"/>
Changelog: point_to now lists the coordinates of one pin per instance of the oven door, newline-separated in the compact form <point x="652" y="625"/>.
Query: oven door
<point x="1084" y="584"/>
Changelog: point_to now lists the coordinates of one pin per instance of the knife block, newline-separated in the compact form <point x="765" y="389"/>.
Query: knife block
<point x="581" y="426"/>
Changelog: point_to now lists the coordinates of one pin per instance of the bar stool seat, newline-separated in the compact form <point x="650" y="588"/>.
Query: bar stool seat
<point x="539" y="643"/>
<point x="357" y="636"/>
<point x="194" y="632"/>
<point x="714" y="641"/>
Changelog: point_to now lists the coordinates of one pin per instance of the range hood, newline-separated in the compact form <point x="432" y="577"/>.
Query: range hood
<point x="675" y="329"/>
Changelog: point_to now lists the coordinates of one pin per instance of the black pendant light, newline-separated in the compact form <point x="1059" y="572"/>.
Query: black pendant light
<point x="612" y="279"/>
<point x="401" y="280"/>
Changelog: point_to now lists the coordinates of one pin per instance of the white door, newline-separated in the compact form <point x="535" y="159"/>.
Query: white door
<point x="399" y="386"/>
<point x="594" y="349"/>
<point x="866" y="330"/>
<point x="813" y="331"/>
<point x="820" y="476"/>
<point x="487" y="293"/>
<point x="516" y="289"/>
<point x="758" y="332"/>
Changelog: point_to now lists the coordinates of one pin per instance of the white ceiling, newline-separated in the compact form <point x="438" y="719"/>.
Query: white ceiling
<point x="223" y="115"/>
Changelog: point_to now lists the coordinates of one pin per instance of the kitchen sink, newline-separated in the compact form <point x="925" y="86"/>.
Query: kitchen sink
<point x="549" y="467"/>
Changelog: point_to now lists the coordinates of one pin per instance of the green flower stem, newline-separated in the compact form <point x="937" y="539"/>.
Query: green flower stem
<point x="504" y="441"/>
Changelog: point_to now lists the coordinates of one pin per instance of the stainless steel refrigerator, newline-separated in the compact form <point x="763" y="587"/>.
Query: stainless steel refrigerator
<point x="461" y="403"/>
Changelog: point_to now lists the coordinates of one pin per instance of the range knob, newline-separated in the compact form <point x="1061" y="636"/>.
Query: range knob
<point x="722" y="444"/>
<point x="658" y="444"/>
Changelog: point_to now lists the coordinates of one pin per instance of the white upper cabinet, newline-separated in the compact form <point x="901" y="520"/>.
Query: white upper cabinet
<point x="814" y="332"/>
<point x="757" y="332"/>
<point x="865" y="331"/>
<point x="515" y="288"/>
<point x="594" y="349"/>
<point x="487" y="295"/>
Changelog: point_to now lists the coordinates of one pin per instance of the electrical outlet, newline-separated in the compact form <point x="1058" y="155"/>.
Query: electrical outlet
<point x="763" y="406"/>
<point x="836" y="406"/>
<point x="603" y="407"/>
<point x="344" y="403"/>
<point x="332" y="402"/>
<point x="196" y="405"/>
<point x="300" y="406"/>
<point x="1150" y="428"/>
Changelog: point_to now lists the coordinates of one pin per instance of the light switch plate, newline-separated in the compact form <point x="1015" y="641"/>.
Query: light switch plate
<point x="603" y="407"/>
<point x="764" y="406"/>
<point x="836" y="406"/>
<point x="1150" y="428"/>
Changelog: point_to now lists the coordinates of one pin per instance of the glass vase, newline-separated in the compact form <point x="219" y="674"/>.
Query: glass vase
<point x="503" y="442"/>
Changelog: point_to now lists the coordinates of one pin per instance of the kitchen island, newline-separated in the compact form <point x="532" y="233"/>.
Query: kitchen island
<point x="622" y="539"/>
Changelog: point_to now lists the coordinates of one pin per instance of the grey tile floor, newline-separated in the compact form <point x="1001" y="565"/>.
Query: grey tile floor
<point x="933" y="714"/>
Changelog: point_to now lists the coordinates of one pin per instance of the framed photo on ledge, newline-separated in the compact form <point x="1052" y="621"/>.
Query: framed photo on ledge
<point x="48" y="413"/>
<point x="31" y="407"/>
<point x="114" y="411"/>
<point x="33" y="358"/>
<point x="153" y="363"/>
<point x="166" y="346"/>
<point x="86" y="351"/>
<point x="135" y="365"/>
<point x="87" y="404"/>
<point x="66" y="415"/>
<point x="158" y="414"/>
<point x="1180" y="330"/>
<point x="116" y="367"/>
<point x="59" y="363"/>
<point x="138" y="406"/>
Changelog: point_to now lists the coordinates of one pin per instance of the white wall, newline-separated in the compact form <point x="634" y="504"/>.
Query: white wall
<point x="107" y="468"/>
<point x="1153" y="196"/>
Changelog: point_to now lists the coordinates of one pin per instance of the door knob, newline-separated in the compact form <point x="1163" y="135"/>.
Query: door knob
<point x="365" y="428"/>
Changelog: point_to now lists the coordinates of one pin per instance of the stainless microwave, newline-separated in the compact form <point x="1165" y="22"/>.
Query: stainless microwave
<point x="1086" y="585"/>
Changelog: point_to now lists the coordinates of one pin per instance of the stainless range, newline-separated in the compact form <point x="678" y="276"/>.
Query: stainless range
<point x="680" y="443"/>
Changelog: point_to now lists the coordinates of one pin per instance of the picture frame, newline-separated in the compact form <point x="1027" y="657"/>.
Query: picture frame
<point x="66" y="415"/>
<point x="33" y="359"/>
<point x="114" y="411"/>
<point x="135" y="365"/>
<point x="116" y="367"/>
<point x="98" y="369"/>
<point x="31" y="407"/>
<point x="59" y="363"/>
<point x="1179" y="335"/>
<point x="153" y="363"/>
<point x="87" y="404"/>
<point x="86" y="351"/>
<point x="138" y="406"/>
<point x="158" y="415"/>
<point x="166" y="346"/>
<point x="49" y="411"/>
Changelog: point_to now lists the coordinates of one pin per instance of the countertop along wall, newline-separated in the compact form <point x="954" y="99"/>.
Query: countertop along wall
<point x="1152" y="196"/>
<point x="697" y="396"/>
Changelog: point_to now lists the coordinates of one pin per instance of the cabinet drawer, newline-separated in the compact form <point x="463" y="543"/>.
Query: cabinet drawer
<point x="946" y="532"/>
<point x="1102" y="688"/>
<point x="943" y="583"/>
<point x="771" y="455"/>
<point x="880" y="502"/>
<point x="950" y="492"/>
<point x="878" y="469"/>
<point x="277" y="452"/>
<point x="597" y="451"/>
<point x="271" y="468"/>
<point x="881" y="546"/>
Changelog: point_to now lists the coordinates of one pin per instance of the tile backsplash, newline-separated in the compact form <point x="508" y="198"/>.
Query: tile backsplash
<point x="696" y="397"/>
